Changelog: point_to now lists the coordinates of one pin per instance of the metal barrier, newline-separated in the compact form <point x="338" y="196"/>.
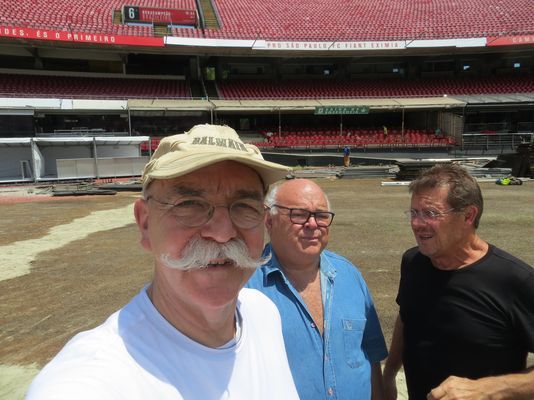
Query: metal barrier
<point x="495" y="141"/>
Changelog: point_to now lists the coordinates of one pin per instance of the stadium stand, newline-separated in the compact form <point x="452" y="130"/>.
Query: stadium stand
<point x="314" y="20"/>
<point x="372" y="20"/>
<point x="304" y="89"/>
<point x="12" y="85"/>
<point x="356" y="138"/>
<point x="91" y="16"/>
<point x="19" y="85"/>
<point x="150" y="146"/>
<point x="287" y="87"/>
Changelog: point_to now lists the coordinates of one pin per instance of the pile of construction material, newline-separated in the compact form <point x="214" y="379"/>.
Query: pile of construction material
<point x="75" y="189"/>
<point x="369" y="172"/>
<point x="521" y="162"/>
<point x="346" y="173"/>
<point x="492" y="173"/>
<point x="312" y="173"/>
<point x="410" y="169"/>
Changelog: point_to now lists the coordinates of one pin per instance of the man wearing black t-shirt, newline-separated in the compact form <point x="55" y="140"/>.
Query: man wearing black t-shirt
<point x="466" y="308"/>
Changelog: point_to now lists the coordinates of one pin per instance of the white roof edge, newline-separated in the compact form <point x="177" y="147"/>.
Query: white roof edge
<point x="15" y="140"/>
<point x="88" y="139"/>
<point x="318" y="45"/>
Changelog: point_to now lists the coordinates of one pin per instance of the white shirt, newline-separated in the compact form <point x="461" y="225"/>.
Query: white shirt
<point x="137" y="354"/>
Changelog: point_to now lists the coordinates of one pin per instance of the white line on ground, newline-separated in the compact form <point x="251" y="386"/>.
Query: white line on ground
<point x="17" y="257"/>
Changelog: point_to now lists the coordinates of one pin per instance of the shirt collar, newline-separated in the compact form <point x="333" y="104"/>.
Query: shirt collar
<point x="273" y="267"/>
<point x="326" y="266"/>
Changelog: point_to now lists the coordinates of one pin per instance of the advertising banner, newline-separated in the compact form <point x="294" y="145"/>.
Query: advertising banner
<point x="79" y="37"/>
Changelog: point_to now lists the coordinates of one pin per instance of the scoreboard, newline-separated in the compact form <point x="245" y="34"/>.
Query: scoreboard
<point x="149" y="15"/>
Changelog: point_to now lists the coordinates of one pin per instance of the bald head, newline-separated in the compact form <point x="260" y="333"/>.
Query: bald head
<point x="292" y="191"/>
<point x="297" y="241"/>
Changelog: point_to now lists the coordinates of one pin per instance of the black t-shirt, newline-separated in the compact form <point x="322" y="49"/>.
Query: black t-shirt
<point x="472" y="322"/>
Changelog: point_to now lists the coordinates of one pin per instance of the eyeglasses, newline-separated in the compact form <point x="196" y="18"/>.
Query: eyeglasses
<point x="193" y="213"/>
<point x="300" y="216"/>
<point x="427" y="215"/>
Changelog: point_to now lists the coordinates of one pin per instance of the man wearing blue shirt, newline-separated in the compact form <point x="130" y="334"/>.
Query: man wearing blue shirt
<point x="346" y="156"/>
<point x="331" y="330"/>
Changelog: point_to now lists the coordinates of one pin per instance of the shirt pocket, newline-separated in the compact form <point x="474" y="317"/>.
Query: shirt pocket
<point x="352" y="340"/>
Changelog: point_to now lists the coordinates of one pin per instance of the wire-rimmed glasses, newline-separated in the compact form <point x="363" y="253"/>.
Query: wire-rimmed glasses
<point x="427" y="215"/>
<point x="193" y="213"/>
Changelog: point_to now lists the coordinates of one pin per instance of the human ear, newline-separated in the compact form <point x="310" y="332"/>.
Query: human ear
<point x="470" y="214"/>
<point x="141" y="218"/>
<point x="268" y="222"/>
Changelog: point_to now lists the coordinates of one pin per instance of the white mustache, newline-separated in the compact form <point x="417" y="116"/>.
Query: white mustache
<point x="199" y="253"/>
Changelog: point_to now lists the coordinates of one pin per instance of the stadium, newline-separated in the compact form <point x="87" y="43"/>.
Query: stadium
<point x="88" y="88"/>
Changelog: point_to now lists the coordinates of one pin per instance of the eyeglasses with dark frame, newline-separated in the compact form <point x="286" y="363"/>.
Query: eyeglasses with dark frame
<point x="300" y="216"/>
<point x="428" y="214"/>
<point x="195" y="212"/>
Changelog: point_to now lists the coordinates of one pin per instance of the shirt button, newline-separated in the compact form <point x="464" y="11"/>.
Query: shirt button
<point x="312" y="325"/>
<point x="330" y="391"/>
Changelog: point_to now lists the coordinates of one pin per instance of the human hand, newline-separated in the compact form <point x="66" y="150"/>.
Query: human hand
<point x="456" y="388"/>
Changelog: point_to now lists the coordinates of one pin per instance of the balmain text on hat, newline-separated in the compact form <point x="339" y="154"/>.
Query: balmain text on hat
<point x="204" y="145"/>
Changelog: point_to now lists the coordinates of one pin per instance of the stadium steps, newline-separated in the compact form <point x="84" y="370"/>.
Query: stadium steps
<point x="117" y="17"/>
<point x="196" y="89"/>
<point x="210" y="18"/>
<point x="211" y="89"/>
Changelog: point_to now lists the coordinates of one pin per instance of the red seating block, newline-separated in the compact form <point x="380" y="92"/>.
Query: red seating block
<point x="303" y="89"/>
<point x="12" y="85"/>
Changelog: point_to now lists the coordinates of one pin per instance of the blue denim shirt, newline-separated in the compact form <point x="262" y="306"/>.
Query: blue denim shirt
<point x="336" y="365"/>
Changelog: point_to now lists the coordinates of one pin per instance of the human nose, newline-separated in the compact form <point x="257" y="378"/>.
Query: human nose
<point x="220" y="227"/>
<point x="311" y="222"/>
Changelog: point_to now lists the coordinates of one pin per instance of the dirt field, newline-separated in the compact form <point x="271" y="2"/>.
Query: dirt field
<point x="67" y="263"/>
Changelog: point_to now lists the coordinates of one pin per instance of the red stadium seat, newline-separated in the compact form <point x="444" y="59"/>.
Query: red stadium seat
<point x="306" y="20"/>
<point x="12" y="85"/>
<point x="95" y="16"/>
<point x="263" y="89"/>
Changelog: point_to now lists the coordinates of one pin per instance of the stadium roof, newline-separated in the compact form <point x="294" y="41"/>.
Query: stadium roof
<point x="502" y="99"/>
<point x="294" y="105"/>
<point x="113" y="140"/>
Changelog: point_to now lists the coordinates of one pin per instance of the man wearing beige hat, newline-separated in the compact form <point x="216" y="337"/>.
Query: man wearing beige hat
<point x="192" y="333"/>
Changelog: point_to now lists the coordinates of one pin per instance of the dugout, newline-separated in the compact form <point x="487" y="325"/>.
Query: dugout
<point x="70" y="158"/>
<point x="16" y="160"/>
